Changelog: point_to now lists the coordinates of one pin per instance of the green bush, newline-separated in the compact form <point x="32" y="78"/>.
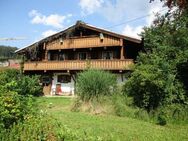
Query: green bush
<point x="92" y="84"/>
<point x="32" y="129"/>
<point x="14" y="108"/>
<point x="29" y="85"/>
<point x="174" y="113"/>
<point x="162" y="119"/>
<point x="12" y="80"/>
<point x="8" y="75"/>
<point x="160" y="75"/>
<point x="16" y="93"/>
<point x="152" y="87"/>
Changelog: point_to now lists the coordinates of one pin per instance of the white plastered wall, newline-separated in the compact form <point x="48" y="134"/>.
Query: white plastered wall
<point x="67" y="88"/>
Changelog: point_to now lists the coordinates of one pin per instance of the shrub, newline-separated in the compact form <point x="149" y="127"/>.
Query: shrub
<point x="14" y="108"/>
<point x="92" y="84"/>
<point x="8" y="75"/>
<point x="162" y="119"/>
<point x="29" y="85"/>
<point x="152" y="87"/>
<point x="12" y="80"/>
<point x="16" y="93"/>
<point x="174" y="113"/>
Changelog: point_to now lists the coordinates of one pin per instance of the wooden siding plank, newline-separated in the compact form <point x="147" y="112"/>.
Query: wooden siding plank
<point x="83" y="43"/>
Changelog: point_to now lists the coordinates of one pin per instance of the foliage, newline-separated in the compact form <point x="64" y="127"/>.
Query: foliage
<point x="8" y="75"/>
<point x="174" y="113"/>
<point x="156" y="81"/>
<point x="162" y="119"/>
<point x="182" y="4"/>
<point x="151" y="87"/>
<point x="16" y="93"/>
<point x="122" y="105"/>
<point x="14" y="108"/>
<point x="12" y="80"/>
<point x="7" y="52"/>
<point x="43" y="128"/>
<point x="30" y="84"/>
<point x="91" y="84"/>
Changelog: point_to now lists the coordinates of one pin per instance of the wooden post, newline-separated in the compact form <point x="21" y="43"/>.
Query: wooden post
<point x="46" y="52"/>
<point x="122" y="50"/>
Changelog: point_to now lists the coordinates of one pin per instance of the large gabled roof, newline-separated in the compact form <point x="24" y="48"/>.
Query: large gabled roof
<point x="84" y="25"/>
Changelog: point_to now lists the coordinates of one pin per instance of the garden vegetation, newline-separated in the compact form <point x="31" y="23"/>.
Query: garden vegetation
<point x="158" y="85"/>
<point x="20" y="116"/>
<point x="156" y="91"/>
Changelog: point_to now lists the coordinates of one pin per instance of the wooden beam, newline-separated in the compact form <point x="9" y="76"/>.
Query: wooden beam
<point x="122" y="50"/>
<point x="46" y="52"/>
<point x="121" y="42"/>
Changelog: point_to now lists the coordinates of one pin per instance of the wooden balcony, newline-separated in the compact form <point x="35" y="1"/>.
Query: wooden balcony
<point x="79" y="65"/>
<point x="84" y="42"/>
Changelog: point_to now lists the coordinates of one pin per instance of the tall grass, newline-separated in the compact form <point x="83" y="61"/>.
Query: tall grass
<point x="92" y="84"/>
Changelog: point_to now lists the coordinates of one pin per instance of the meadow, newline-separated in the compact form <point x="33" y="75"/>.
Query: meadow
<point x="109" y="127"/>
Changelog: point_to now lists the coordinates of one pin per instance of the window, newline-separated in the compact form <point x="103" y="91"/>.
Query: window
<point x="64" y="78"/>
<point x="54" y="56"/>
<point x="82" y="56"/>
<point x="46" y="79"/>
<point x="107" y="55"/>
<point x="62" y="56"/>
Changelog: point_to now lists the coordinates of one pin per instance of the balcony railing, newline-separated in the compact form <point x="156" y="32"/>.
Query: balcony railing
<point x="84" y="42"/>
<point x="79" y="65"/>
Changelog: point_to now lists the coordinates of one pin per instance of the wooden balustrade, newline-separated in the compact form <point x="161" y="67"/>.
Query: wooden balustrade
<point x="85" y="42"/>
<point x="79" y="65"/>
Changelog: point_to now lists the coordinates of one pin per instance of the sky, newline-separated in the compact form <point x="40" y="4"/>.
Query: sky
<point x="33" y="20"/>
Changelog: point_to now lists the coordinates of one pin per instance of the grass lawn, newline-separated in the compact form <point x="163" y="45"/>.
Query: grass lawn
<point x="111" y="127"/>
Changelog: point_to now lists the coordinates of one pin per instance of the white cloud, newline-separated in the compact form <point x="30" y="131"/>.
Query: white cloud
<point x="54" y="20"/>
<point x="90" y="6"/>
<point x="151" y="10"/>
<point x="115" y="10"/>
<point x="154" y="9"/>
<point x="48" y="33"/>
<point x="132" y="31"/>
<point x="121" y="10"/>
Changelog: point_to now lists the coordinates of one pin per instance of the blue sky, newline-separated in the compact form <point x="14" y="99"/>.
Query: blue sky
<point x="36" y="19"/>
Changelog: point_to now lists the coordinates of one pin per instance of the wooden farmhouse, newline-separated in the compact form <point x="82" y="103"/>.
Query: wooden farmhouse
<point x="59" y="57"/>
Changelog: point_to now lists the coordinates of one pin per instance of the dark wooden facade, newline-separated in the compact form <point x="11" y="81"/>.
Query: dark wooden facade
<point x="79" y="47"/>
<point x="75" y="49"/>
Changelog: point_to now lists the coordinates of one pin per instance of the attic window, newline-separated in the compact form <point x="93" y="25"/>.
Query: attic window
<point x="101" y="36"/>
